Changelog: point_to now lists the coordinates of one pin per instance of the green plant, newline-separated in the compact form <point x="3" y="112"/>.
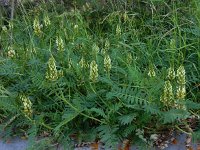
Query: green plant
<point x="104" y="74"/>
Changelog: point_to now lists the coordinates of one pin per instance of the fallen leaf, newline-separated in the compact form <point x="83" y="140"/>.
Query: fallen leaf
<point x="174" y="141"/>
<point x="94" y="146"/>
<point x="125" y="145"/>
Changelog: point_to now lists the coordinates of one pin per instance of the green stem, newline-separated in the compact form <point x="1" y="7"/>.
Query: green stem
<point x="182" y="130"/>
<point x="83" y="114"/>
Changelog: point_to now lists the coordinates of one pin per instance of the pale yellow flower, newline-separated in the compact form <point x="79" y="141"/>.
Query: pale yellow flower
<point x="37" y="26"/>
<point x="93" y="71"/>
<point x="107" y="63"/>
<point x="26" y="104"/>
<point x="171" y="73"/>
<point x="51" y="72"/>
<point x="168" y="97"/>
<point x="181" y="75"/>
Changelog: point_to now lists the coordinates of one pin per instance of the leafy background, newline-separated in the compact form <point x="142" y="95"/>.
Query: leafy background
<point x="122" y="102"/>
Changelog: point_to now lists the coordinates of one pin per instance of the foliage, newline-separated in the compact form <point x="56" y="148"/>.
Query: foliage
<point x="96" y="72"/>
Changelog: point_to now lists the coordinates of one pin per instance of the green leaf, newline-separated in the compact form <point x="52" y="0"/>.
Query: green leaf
<point x="99" y="112"/>
<point x="127" y="119"/>
<point x="174" y="115"/>
<point x="68" y="116"/>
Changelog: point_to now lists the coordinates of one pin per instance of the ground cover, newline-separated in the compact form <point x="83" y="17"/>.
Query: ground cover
<point x="106" y="72"/>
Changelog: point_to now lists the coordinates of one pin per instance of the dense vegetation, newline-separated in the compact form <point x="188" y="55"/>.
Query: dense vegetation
<point x="100" y="71"/>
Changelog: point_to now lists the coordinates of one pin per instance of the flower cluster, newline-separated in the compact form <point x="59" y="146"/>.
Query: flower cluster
<point x="107" y="63"/>
<point x="83" y="63"/>
<point x="171" y="73"/>
<point x="11" y="52"/>
<point x="93" y="71"/>
<point x="26" y="104"/>
<point x="37" y="26"/>
<point x="168" y="97"/>
<point x="181" y="91"/>
<point x="47" y="21"/>
<point x="60" y="44"/>
<point x="118" y="30"/>
<point x="181" y="75"/>
<point x="51" y="72"/>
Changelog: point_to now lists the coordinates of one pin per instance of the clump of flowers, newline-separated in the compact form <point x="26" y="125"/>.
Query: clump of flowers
<point x="11" y="52"/>
<point x="168" y="97"/>
<point x="171" y="73"/>
<point x="93" y="71"/>
<point x="60" y="44"/>
<point x="47" y="21"/>
<point x="181" y="91"/>
<point x="118" y="30"/>
<point x="107" y="63"/>
<point x="37" y="26"/>
<point x="27" y="105"/>
<point x="181" y="75"/>
<point x="83" y="63"/>
<point x="51" y="72"/>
